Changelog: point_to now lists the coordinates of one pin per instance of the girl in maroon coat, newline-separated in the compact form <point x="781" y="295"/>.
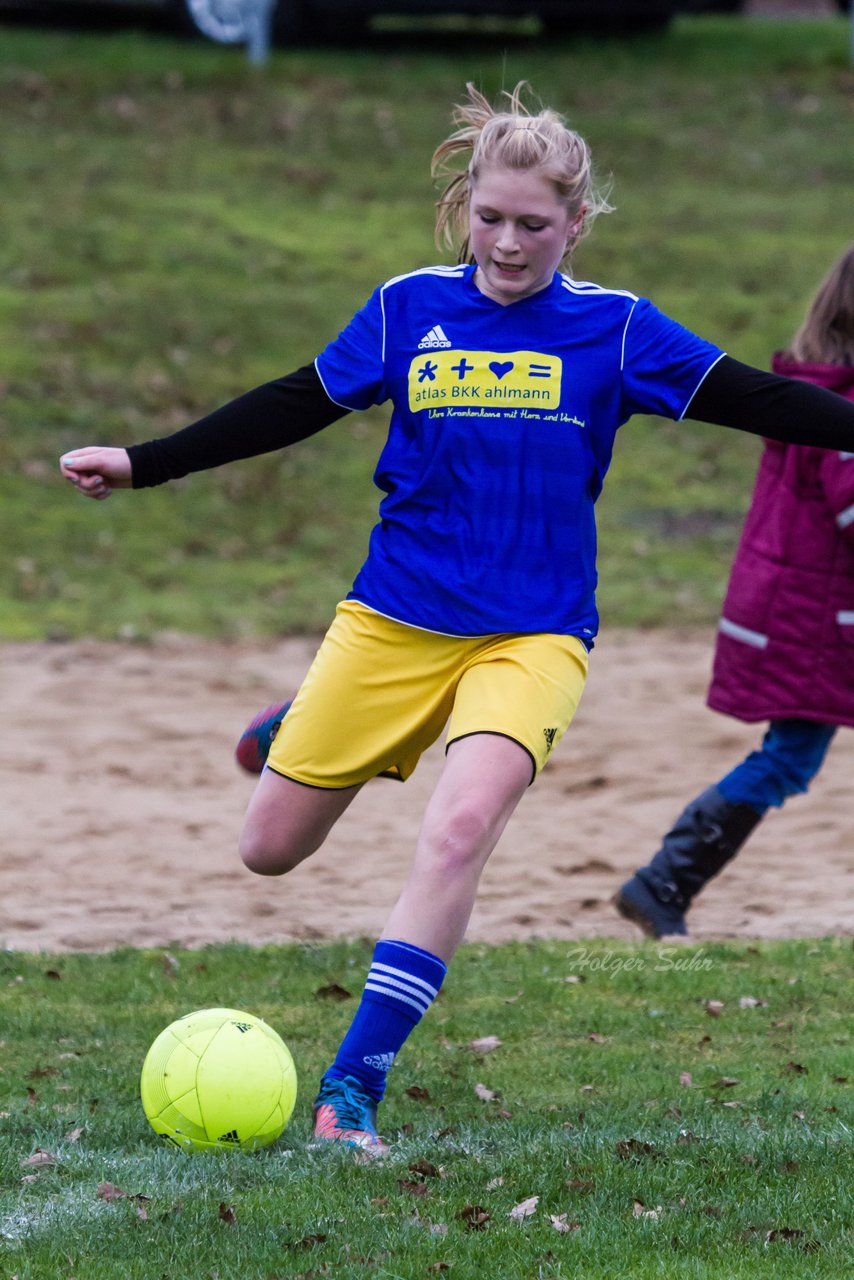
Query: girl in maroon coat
<point x="785" y="645"/>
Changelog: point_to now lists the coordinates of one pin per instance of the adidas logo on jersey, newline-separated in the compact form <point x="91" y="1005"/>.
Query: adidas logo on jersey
<point x="435" y="338"/>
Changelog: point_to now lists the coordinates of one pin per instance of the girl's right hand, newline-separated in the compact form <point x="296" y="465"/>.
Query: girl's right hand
<point x="97" y="470"/>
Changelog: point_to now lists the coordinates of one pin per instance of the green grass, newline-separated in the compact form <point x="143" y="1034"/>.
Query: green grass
<point x="676" y="1143"/>
<point x="177" y="226"/>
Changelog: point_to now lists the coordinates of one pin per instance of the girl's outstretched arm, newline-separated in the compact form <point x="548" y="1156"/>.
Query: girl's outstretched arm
<point x="272" y="416"/>
<point x="765" y="404"/>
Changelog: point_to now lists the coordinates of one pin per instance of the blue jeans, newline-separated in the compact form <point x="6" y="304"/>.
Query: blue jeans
<point x="792" y="753"/>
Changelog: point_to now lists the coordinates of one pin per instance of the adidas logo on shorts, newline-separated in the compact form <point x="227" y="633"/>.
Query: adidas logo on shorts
<point x="435" y="338"/>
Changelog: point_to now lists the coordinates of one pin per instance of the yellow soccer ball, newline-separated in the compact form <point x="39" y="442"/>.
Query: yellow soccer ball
<point x="218" y="1079"/>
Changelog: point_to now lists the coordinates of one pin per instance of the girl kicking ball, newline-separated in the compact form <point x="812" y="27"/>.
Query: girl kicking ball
<point x="475" y="606"/>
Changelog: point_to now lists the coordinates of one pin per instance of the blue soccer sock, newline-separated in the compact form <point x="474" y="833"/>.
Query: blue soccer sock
<point x="402" y="984"/>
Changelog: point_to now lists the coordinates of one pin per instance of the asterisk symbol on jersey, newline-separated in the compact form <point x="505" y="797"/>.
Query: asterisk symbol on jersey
<point x="428" y="370"/>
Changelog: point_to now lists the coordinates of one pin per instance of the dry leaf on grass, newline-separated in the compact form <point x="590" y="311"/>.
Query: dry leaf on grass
<point x="486" y="1044"/>
<point x="561" y="1223"/>
<point x="413" y="1188"/>
<point x="426" y="1169"/>
<point x="109" y="1191"/>
<point x="307" y="1242"/>
<point x="633" y="1149"/>
<point x="525" y="1209"/>
<point x="485" y="1094"/>
<point x="639" y="1210"/>
<point x="332" y="991"/>
<point x="40" y="1159"/>
<point x="475" y="1217"/>
<point x="791" y="1235"/>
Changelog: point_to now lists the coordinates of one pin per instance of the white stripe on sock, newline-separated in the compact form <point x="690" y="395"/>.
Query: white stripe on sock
<point x="377" y="967"/>
<point x="422" y="1008"/>
<point x="392" y="987"/>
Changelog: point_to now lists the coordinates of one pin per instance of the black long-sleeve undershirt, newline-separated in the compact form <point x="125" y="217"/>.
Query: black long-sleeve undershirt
<point x="296" y="406"/>
<point x="765" y="404"/>
<point x="272" y="416"/>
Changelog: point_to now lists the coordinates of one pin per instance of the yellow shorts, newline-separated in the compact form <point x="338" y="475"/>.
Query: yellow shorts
<point x="379" y="693"/>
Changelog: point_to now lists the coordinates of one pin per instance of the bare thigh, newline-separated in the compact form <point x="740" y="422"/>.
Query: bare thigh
<point x="287" y="821"/>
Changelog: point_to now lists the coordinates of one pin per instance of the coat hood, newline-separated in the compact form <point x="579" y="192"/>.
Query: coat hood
<point x="835" y="377"/>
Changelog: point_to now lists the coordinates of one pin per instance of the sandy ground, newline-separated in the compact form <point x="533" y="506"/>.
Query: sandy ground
<point x="122" y="803"/>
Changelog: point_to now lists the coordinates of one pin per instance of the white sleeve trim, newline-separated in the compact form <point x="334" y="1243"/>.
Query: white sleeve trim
<point x="351" y="408"/>
<point x="625" y="332"/>
<point x="681" y="417"/>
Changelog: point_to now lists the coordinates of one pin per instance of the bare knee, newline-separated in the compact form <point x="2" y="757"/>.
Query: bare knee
<point x="267" y="856"/>
<point x="286" y="822"/>
<point x="461" y="839"/>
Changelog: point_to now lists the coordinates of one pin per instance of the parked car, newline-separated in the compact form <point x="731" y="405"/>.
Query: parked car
<point x="296" y="19"/>
<point x="229" y="21"/>
<point x="735" y="6"/>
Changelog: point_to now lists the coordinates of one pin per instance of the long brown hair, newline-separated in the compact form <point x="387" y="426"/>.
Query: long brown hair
<point x="827" y="333"/>
<point x="512" y="139"/>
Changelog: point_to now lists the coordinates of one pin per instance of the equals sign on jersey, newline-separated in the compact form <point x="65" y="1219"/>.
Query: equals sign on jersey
<point x="539" y="371"/>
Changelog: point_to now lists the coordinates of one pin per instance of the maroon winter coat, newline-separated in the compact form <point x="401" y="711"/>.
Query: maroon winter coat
<point x="785" y="645"/>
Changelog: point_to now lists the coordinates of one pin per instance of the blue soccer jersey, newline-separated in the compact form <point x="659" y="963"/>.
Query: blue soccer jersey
<point x="502" y="432"/>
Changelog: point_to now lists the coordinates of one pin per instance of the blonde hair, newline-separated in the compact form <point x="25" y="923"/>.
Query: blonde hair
<point x="827" y="333"/>
<point x="512" y="139"/>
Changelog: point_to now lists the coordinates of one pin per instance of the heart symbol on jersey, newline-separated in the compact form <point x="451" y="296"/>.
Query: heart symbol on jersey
<point x="499" y="369"/>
